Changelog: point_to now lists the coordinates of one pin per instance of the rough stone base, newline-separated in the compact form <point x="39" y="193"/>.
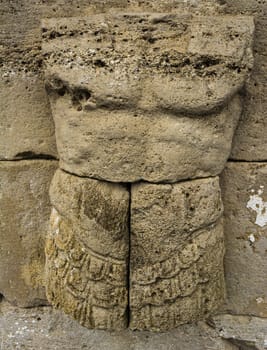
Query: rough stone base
<point x="48" y="329"/>
<point x="248" y="333"/>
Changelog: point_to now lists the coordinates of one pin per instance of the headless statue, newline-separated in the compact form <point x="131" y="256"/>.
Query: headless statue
<point x="145" y="107"/>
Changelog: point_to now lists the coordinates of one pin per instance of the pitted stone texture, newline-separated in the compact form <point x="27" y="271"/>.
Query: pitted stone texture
<point x="131" y="145"/>
<point x="135" y="100"/>
<point x="87" y="251"/>
<point x="26" y="125"/>
<point x="250" y="142"/>
<point x="244" y="187"/>
<point x="193" y="71"/>
<point x="24" y="218"/>
<point x="177" y="248"/>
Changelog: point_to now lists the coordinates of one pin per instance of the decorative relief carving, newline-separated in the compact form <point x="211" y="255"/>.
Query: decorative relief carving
<point x="141" y="97"/>
<point x="84" y="280"/>
<point x="191" y="295"/>
<point x="177" y="253"/>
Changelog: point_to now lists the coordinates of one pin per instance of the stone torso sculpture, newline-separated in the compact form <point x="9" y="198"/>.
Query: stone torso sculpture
<point x="145" y="107"/>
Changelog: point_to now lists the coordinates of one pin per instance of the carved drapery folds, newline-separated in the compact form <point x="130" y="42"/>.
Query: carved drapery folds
<point x="87" y="250"/>
<point x="151" y="100"/>
<point x="176" y="272"/>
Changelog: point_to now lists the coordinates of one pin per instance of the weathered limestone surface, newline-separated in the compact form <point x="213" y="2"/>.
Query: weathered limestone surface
<point x="245" y="201"/>
<point x="142" y="116"/>
<point x="130" y="103"/>
<point x="28" y="129"/>
<point x="250" y="142"/>
<point x="24" y="218"/>
<point x="246" y="332"/>
<point x="129" y="146"/>
<point x="87" y="251"/>
<point x="177" y="249"/>
<point x="26" y="126"/>
<point x="47" y="329"/>
<point x="26" y="123"/>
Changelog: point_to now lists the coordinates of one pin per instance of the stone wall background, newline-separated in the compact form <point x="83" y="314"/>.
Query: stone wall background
<point x="28" y="159"/>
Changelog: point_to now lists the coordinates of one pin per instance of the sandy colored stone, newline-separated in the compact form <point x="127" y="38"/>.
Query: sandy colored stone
<point x="129" y="146"/>
<point x="24" y="217"/>
<point x="26" y="125"/>
<point x="177" y="249"/>
<point x="245" y="202"/>
<point x="250" y="142"/>
<point x="130" y="103"/>
<point x="87" y="251"/>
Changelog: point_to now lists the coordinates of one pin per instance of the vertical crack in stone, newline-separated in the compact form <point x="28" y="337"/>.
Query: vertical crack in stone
<point x="129" y="187"/>
<point x="1" y="297"/>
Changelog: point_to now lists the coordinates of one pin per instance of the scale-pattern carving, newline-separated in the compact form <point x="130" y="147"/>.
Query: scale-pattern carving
<point x="178" y="278"/>
<point x="86" y="284"/>
<point x="197" y="289"/>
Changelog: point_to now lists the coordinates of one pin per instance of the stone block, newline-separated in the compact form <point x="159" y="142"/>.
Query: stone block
<point x="24" y="218"/>
<point x="140" y="105"/>
<point x="245" y="202"/>
<point x="250" y="142"/>
<point x="87" y="251"/>
<point x="177" y="249"/>
<point x="26" y="124"/>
